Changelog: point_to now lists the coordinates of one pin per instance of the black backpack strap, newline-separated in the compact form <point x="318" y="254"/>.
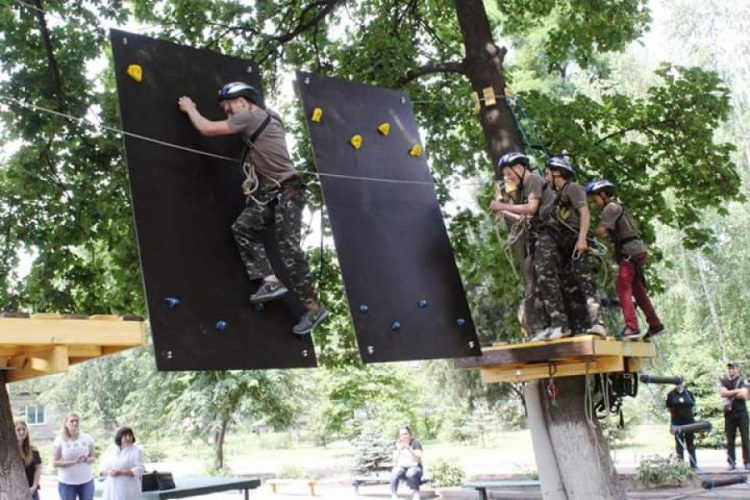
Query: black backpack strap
<point x="260" y="129"/>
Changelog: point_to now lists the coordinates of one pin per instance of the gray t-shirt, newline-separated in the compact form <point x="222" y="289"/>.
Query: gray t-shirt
<point x="535" y="188"/>
<point x="269" y="154"/>
<point x="622" y="229"/>
<point x="570" y="199"/>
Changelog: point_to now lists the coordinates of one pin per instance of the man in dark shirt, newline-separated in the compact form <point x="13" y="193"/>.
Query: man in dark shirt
<point x="733" y="389"/>
<point x="681" y="406"/>
<point x="274" y="193"/>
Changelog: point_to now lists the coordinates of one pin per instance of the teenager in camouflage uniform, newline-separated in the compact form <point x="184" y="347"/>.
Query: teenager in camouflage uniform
<point x="535" y="199"/>
<point x="274" y="193"/>
<point x="630" y="254"/>
<point x="578" y="265"/>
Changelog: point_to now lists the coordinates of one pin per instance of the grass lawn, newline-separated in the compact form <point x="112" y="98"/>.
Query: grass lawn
<point x="509" y="452"/>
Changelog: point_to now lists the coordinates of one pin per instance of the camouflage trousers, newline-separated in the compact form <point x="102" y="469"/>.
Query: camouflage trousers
<point x="579" y="285"/>
<point x="284" y="208"/>
<point x="547" y="278"/>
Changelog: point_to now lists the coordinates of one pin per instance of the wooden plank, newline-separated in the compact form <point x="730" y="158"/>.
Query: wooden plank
<point x="34" y="331"/>
<point x="44" y="362"/>
<point x="84" y="351"/>
<point x="583" y="347"/>
<point x="503" y="374"/>
<point x="624" y="348"/>
<point x="46" y="316"/>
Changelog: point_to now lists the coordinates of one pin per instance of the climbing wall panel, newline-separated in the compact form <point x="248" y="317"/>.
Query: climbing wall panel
<point x="404" y="290"/>
<point x="184" y="204"/>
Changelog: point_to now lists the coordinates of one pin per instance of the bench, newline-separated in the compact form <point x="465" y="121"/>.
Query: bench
<point x="483" y="486"/>
<point x="275" y="483"/>
<point x="379" y="478"/>
<point x="186" y="487"/>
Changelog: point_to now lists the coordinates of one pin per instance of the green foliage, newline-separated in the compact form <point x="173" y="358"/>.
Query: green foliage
<point x="371" y="449"/>
<point x="456" y="426"/>
<point x="154" y="454"/>
<point x="660" y="472"/>
<point x="446" y="473"/>
<point x="292" y="472"/>
<point x="579" y="29"/>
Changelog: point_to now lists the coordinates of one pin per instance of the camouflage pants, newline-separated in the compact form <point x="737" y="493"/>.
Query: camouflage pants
<point x="534" y="314"/>
<point x="579" y="285"/>
<point x="284" y="208"/>
<point x="547" y="275"/>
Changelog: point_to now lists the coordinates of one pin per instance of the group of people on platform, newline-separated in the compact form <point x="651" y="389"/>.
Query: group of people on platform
<point x="733" y="389"/>
<point x="561" y="296"/>
<point x="122" y="465"/>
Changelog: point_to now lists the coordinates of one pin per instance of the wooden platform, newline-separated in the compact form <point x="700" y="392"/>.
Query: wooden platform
<point x="568" y="357"/>
<point x="43" y="344"/>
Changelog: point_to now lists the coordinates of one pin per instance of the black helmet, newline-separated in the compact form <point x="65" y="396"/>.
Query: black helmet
<point x="240" y="89"/>
<point x="510" y="159"/>
<point x="561" y="163"/>
<point x="594" y="187"/>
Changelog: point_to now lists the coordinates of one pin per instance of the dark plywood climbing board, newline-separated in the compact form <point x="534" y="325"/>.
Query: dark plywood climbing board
<point x="390" y="236"/>
<point x="184" y="204"/>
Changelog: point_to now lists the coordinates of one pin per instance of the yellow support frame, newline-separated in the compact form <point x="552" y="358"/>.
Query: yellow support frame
<point x="44" y="344"/>
<point x="568" y="357"/>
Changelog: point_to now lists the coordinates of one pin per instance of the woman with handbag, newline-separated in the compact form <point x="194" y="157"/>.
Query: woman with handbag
<point x="123" y="467"/>
<point x="73" y="453"/>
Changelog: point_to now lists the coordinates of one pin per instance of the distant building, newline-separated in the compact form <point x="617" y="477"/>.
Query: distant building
<point x="41" y="419"/>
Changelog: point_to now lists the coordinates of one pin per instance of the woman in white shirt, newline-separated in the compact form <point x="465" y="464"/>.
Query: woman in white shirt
<point x="123" y="467"/>
<point x="408" y="458"/>
<point x="73" y="453"/>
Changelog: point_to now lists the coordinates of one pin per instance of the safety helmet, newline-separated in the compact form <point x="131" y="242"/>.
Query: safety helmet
<point x="510" y="159"/>
<point x="595" y="186"/>
<point x="234" y="90"/>
<point x="560" y="163"/>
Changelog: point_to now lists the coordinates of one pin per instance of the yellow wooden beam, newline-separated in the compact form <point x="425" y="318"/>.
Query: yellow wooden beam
<point x="43" y="362"/>
<point x="47" y="331"/>
<point x="567" y="368"/>
<point x="611" y="346"/>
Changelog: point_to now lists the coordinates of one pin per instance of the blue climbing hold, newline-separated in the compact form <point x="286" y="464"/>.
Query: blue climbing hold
<point x="221" y="325"/>
<point x="172" y="302"/>
<point x="422" y="304"/>
<point x="460" y="322"/>
<point x="363" y="308"/>
<point x="258" y="307"/>
<point x="395" y="326"/>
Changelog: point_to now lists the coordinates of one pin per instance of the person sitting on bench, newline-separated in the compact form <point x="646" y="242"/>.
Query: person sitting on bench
<point x="408" y="459"/>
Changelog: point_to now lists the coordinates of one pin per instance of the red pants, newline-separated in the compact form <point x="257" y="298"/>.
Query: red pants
<point x="628" y="286"/>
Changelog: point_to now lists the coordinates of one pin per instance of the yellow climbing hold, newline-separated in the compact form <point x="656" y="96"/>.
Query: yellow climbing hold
<point x="135" y="72"/>
<point x="416" y="150"/>
<point x="356" y="141"/>
<point x="384" y="128"/>
<point x="317" y="115"/>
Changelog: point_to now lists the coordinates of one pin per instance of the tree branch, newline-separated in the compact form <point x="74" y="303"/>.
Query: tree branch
<point x="50" y="55"/>
<point x="634" y="128"/>
<point x="431" y="68"/>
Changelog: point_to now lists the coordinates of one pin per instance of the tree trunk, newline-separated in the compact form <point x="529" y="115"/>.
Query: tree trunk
<point x="702" y="265"/>
<point x="580" y="451"/>
<point x="219" y="442"/>
<point x="483" y="65"/>
<point x="553" y="487"/>
<point x="13" y="484"/>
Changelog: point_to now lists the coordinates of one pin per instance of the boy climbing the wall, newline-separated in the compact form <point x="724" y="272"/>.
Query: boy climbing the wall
<point x="630" y="254"/>
<point x="274" y="193"/>
<point x="535" y="199"/>
<point x="572" y="212"/>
